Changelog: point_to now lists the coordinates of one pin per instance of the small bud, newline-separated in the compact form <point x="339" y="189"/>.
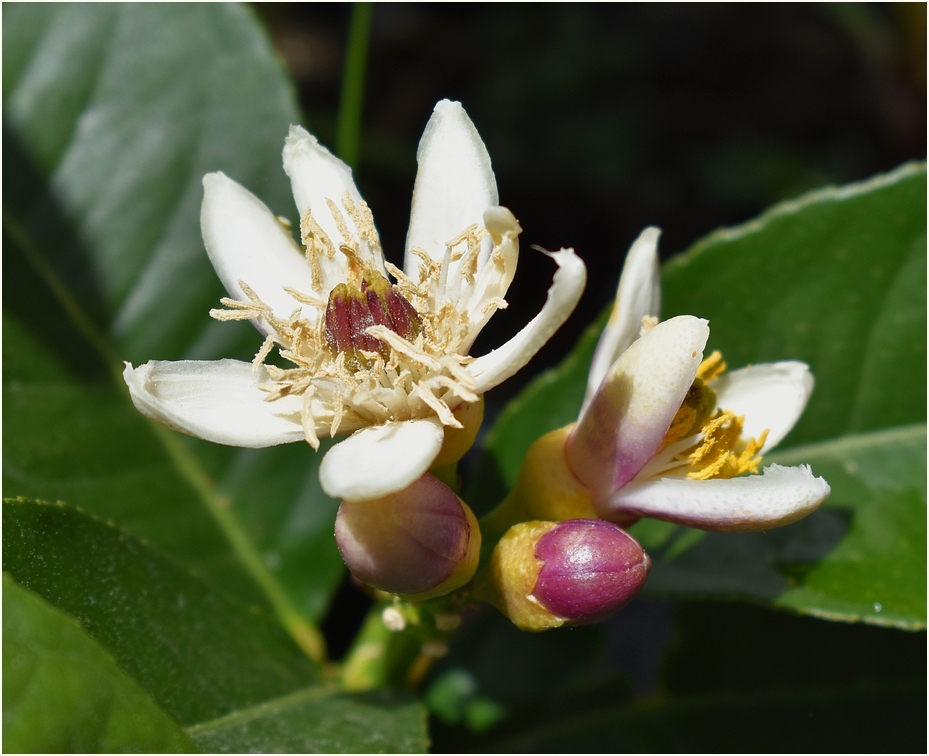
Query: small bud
<point x="545" y="574"/>
<point x="420" y="542"/>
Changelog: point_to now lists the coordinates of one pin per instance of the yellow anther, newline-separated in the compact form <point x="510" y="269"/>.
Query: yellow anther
<point x="712" y="367"/>
<point x="695" y="410"/>
<point x="721" y="451"/>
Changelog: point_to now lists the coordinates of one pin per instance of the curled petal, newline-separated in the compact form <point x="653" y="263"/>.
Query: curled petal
<point x="454" y="185"/>
<point x="246" y="242"/>
<point x="380" y="459"/>
<point x="771" y="396"/>
<point x="779" y="496"/>
<point x="494" y="277"/>
<point x="624" y="425"/>
<point x="218" y="401"/>
<point x="317" y="178"/>
<point x="637" y="296"/>
<point x="563" y="295"/>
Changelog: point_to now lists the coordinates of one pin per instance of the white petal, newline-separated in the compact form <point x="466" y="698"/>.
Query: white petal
<point x="624" y="425"/>
<point x="771" y="396"/>
<point x="637" y="296"/>
<point x="217" y="401"/>
<point x="381" y="459"/>
<point x="245" y="242"/>
<point x="316" y="175"/>
<point x="779" y="496"/>
<point x="454" y="185"/>
<point x="563" y="295"/>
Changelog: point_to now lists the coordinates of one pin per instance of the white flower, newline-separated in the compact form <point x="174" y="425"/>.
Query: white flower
<point x="663" y="433"/>
<point x="386" y="363"/>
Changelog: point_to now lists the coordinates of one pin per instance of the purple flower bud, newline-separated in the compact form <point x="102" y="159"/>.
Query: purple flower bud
<point x="545" y="574"/>
<point x="591" y="568"/>
<point x="420" y="542"/>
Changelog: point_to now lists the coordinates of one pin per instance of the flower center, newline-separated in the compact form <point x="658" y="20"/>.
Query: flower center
<point x="704" y="442"/>
<point x="352" y="310"/>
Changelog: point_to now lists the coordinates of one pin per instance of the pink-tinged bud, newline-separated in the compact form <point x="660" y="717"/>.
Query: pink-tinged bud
<point x="591" y="568"/>
<point x="546" y="574"/>
<point x="420" y="542"/>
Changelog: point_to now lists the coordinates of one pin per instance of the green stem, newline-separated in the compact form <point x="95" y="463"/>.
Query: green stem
<point x="348" y="129"/>
<point x="306" y="635"/>
<point x="365" y="666"/>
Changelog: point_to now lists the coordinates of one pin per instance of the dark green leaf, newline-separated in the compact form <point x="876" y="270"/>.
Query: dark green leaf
<point x="837" y="279"/>
<point x="319" y="720"/>
<point x="63" y="693"/>
<point x="199" y="654"/>
<point x="83" y="442"/>
<point x="112" y="116"/>
<point x="861" y="557"/>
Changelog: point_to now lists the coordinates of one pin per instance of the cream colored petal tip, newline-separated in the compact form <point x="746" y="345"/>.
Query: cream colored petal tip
<point x="245" y="242"/>
<point x="565" y="292"/>
<point x="315" y="174"/>
<point x="771" y="397"/>
<point x="779" y="496"/>
<point x="454" y="183"/>
<point x="381" y="459"/>
<point x="638" y="295"/>
<point x="217" y="401"/>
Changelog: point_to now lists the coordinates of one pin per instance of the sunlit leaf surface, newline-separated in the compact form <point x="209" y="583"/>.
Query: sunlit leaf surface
<point x="197" y="652"/>
<point x="63" y="693"/>
<point x="112" y="115"/>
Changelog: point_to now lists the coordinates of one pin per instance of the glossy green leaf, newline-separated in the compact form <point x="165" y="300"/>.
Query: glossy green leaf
<point x="319" y="720"/>
<point x="199" y="654"/>
<point x="82" y="442"/>
<point x="861" y="557"/>
<point x="837" y="279"/>
<point x="63" y="693"/>
<point x="112" y="115"/>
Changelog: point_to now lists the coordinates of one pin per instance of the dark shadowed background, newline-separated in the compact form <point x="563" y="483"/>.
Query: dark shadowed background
<point x="603" y="119"/>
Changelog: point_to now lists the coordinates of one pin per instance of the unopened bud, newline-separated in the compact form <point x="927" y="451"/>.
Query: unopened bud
<point x="545" y="574"/>
<point x="420" y="542"/>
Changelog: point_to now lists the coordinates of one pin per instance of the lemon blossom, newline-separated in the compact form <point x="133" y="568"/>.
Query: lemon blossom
<point x="665" y="433"/>
<point x="385" y="364"/>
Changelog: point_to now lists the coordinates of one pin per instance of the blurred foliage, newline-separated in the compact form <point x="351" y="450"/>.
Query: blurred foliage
<point x="171" y="595"/>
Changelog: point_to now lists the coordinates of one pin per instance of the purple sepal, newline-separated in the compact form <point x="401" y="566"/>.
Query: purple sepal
<point x="591" y="568"/>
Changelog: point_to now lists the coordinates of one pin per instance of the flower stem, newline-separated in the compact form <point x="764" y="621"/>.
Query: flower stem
<point x="348" y="129"/>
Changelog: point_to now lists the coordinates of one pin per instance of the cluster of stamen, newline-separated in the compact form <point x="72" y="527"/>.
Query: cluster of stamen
<point x="704" y="442"/>
<point x="372" y="352"/>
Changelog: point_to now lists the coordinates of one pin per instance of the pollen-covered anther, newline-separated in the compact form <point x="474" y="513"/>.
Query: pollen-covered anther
<point x="717" y="448"/>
